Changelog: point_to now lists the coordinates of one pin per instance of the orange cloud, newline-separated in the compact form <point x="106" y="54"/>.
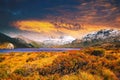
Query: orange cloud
<point x="57" y="28"/>
<point x="33" y="25"/>
<point x="46" y="28"/>
<point x="118" y="19"/>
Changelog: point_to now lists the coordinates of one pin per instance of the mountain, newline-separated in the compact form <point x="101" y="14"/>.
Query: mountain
<point x="23" y="38"/>
<point x="105" y="37"/>
<point x="33" y="43"/>
<point x="17" y="42"/>
<point x="102" y="35"/>
<point x="58" y="41"/>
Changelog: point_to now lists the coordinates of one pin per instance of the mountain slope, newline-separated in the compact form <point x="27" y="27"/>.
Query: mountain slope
<point x="35" y="44"/>
<point x="102" y="35"/>
<point x="17" y="42"/>
<point x="106" y="37"/>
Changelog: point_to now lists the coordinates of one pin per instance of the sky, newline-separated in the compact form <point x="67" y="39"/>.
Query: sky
<point x="43" y="19"/>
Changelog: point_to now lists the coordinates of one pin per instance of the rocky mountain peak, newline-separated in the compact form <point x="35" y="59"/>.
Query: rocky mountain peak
<point x="102" y="34"/>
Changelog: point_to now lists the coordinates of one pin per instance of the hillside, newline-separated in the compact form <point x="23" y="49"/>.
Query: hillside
<point x="102" y="38"/>
<point x="18" y="42"/>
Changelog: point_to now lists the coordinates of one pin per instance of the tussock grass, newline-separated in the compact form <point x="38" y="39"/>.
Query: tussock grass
<point x="70" y="65"/>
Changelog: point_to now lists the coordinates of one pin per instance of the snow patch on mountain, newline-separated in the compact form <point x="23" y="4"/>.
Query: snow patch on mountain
<point x="101" y="35"/>
<point x="59" y="41"/>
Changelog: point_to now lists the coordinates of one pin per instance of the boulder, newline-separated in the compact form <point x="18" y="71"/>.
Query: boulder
<point x="10" y="46"/>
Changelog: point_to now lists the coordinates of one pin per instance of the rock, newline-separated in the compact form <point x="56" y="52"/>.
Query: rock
<point x="10" y="46"/>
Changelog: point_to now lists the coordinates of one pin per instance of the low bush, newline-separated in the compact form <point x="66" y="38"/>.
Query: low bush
<point x="2" y="59"/>
<point x="88" y="76"/>
<point x="109" y="75"/>
<point x="64" y="64"/>
<point x="30" y="59"/>
<point x="22" y="72"/>
<point x="111" y="57"/>
<point x="4" y="71"/>
<point x="98" y="52"/>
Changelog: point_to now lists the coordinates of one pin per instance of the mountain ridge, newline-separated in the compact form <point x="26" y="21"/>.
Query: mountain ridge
<point x="98" y="38"/>
<point x="17" y="42"/>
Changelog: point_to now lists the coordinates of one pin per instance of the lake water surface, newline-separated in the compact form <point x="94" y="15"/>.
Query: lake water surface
<point x="37" y="49"/>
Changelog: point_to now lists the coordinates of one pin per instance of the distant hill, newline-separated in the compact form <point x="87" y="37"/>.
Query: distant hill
<point x="30" y="42"/>
<point x="105" y="37"/>
<point x="17" y="42"/>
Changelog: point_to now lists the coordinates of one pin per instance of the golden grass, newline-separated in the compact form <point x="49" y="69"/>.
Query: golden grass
<point x="70" y="65"/>
<point x="81" y="76"/>
<point x="3" y="45"/>
<point x="18" y="60"/>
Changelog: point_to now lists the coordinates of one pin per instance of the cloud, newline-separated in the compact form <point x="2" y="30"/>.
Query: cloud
<point x="48" y="29"/>
<point x="100" y="12"/>
<point x="32" y="25"/>
<point x="118" y="19"/>
<point x="45" y="27"/>
<point x="65" y="18"/>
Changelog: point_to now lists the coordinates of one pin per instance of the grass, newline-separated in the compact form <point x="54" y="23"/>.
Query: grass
<point x="3" y="45"/>
<point x="69" y="65"/>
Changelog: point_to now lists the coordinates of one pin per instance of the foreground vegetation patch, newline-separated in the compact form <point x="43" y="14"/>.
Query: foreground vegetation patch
<point x="87" y="64"/>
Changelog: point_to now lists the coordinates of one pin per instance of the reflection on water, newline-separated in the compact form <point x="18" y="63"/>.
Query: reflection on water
<point x="36" y="49"/>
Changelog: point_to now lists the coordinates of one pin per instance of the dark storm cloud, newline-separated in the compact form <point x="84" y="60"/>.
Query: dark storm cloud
<point x="23" y="9"/>
<point x="83" y="11"/>
<point x="100" y="12"/>
<point x="12" y="10"/>
<point x="40" y="8"/>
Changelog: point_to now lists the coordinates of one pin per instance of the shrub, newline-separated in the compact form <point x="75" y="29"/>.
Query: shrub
<point x="108" y="75"/>
<point x="42" y="55"/>
<point x="87" y="76"/>
<point x="30" y="59"/>
<point x="20" y="54"/>
<point x="2" y="59"/>
<point x="3" y="73"/>
<point x="22" y="72"/>
<point x="111" y="57"/>
<point x="12" y="54"/>
<point x="64" y="64"/>
<point x="53" y="77"/>
<point x="98" y="52"/>
<point x="81" y="76"/>
<point x="29" y="53"/>
<point x="14" y="76"/>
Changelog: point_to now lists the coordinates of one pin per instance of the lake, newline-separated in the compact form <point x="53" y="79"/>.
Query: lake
<point x="37" y="49"/>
